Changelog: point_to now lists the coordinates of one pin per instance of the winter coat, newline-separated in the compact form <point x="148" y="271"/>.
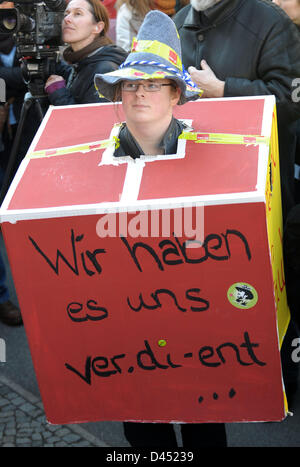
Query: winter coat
<point x="254" y="47"/>
<point x="80" y="87"/>
<point x="250" y="44"/>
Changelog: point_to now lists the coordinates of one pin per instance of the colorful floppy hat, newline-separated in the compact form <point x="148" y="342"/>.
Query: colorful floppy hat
<point x="155" y="53"/>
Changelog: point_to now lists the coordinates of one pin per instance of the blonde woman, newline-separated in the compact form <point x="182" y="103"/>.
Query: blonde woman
<point x="130" y="15"/>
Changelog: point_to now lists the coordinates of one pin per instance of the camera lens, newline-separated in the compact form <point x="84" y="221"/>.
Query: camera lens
<point x="9" y="22"/>
<point x="12" y="21"/>
<point x="26" y="24"/>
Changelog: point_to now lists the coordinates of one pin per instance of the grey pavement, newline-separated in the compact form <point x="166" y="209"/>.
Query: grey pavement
<point x="23" y="422"/>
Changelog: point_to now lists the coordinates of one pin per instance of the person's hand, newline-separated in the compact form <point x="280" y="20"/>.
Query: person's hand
<point x="207" y="80"/>
<point x="53" y="79"/>
<point x="59" y="80"/>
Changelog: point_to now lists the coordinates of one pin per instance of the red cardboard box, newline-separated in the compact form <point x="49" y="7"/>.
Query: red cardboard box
<point x="126" y="318"/>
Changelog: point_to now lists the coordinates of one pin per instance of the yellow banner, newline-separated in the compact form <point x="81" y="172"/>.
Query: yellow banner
<point x="73" y="149"/>
<point x="275" y="232"/>
<point x="157" y="48"/>
<point x="197" y="137"/>
<point x="224" y="138"/>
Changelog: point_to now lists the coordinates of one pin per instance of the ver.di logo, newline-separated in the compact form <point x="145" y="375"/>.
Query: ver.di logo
<point x="242" y="295"/>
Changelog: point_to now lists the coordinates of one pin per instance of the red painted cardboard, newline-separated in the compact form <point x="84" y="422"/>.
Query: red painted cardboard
<point x="146" y="328"/>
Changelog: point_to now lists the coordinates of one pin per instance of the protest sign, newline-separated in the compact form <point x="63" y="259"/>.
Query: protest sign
<point x="126" y="317"/>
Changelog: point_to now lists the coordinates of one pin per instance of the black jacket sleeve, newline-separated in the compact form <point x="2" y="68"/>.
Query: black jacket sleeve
<point x="277" y="72"/>
<point x="82" y="89"/>
<point x="12" y="77"/>
<point x="252" y="45"/>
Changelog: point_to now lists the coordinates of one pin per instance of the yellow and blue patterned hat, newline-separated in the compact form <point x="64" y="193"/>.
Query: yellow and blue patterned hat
<point x="155" y="54"/>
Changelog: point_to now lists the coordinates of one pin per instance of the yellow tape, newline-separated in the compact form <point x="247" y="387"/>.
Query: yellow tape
<point x="224" y="138"/>
<point x="197" y="137"/>
<point x="73" y="149"/>
<point x="157" y="48"/>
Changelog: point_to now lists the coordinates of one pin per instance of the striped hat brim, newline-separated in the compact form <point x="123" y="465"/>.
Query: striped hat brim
<point x="107" y="84"/>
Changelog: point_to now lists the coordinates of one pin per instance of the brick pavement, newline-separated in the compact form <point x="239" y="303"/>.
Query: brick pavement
<point x="23" y="422"/>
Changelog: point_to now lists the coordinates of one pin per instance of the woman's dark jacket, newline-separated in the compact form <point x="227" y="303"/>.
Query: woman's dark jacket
<point x="80" y="76"/>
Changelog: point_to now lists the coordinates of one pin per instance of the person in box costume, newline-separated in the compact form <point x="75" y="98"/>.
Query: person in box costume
<point x="150" y="82"/>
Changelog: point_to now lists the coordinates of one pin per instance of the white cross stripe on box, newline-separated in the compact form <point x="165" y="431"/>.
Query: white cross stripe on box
<point x="135" y="167"/>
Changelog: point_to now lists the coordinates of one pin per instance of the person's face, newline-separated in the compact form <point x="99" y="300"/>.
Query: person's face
<point x="141" y="106"/>
<point x="292" y="9"/>
<point x="79" y="27"/>
<point x="7" y="5"/>
<point x="202" y="5"/>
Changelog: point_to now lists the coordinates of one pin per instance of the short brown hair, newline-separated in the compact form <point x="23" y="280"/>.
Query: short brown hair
<point x="100" y="13"/>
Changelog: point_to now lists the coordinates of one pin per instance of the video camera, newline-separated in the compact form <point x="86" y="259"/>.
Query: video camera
<point x="36" y="26"/>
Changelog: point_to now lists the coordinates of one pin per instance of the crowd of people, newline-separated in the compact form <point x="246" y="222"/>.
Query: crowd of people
<point x="230" y="48"/>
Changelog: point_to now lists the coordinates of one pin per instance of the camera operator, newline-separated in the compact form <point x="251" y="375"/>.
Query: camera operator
<point x="9" y="114"/>
<point x="10" y="72"/>
<point x="90" y="51"/>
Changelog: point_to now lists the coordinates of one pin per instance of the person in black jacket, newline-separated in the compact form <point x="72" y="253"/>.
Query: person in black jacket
<point x="246" y="48"/>
<point x="15" y="89"/>
<point x="292" y="9"/>
<point x="90" y="51"/>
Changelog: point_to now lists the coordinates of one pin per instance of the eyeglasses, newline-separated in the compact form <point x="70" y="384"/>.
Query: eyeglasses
<point x="148" y="86"/>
